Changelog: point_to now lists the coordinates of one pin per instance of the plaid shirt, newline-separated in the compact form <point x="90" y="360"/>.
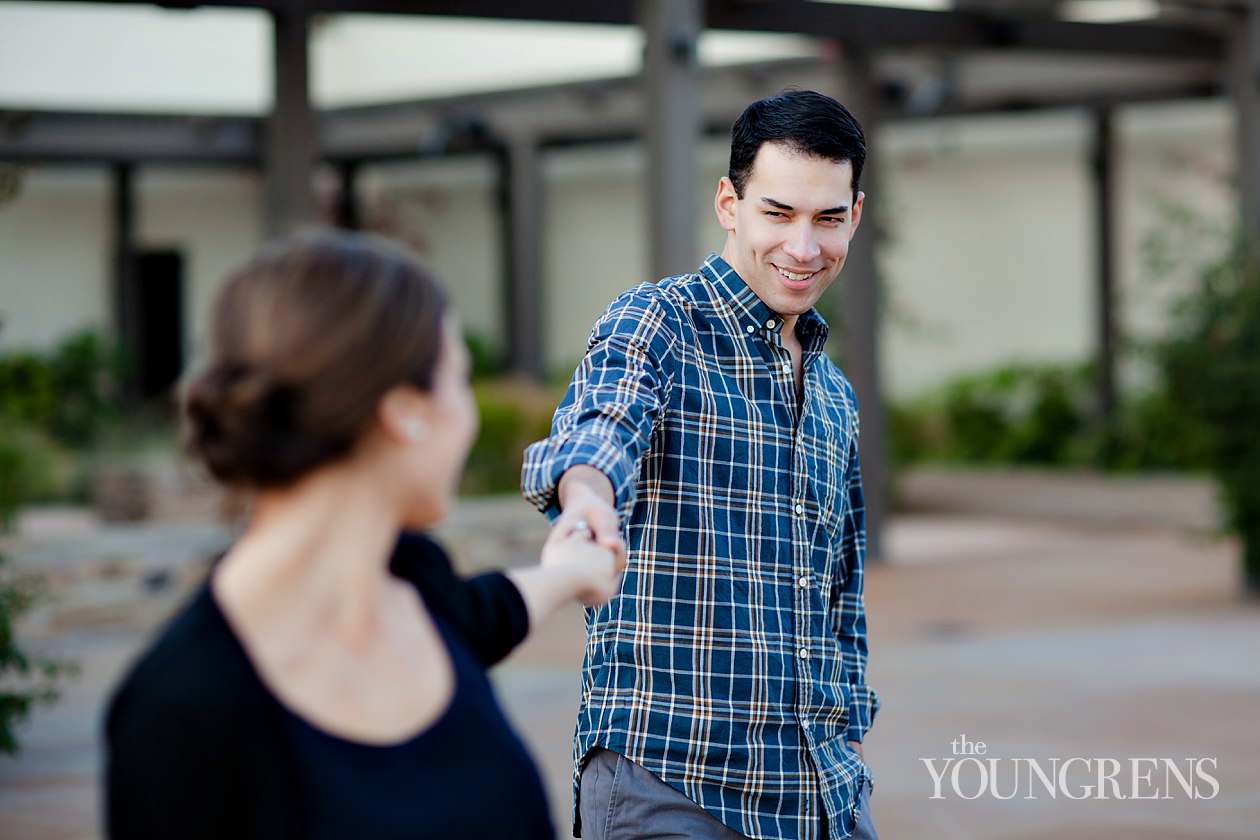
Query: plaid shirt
<point x="732" y="663"/>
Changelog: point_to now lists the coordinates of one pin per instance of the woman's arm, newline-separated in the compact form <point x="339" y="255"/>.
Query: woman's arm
<point x="493" y="612"/>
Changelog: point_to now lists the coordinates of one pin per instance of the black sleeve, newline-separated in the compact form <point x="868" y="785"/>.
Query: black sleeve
<point x="161" y="780"/>
<point x="487" y="610"/>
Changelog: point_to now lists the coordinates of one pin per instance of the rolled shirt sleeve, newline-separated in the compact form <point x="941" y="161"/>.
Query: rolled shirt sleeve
<point x="608" y="414"/>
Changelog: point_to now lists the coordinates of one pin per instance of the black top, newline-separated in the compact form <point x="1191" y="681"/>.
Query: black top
<point x="198" y="747"/>
<point x="434" y="785"/>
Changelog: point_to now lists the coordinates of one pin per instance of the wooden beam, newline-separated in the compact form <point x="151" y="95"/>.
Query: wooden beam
<point x="557" y="114"/>
<point x="671" y="114"/>
<point x="58" y="137"/>
<point x="860" y="303"/>
<point x="1103" y="183"/>
<point x="123" y="292"/>
<point x="521" y="219"/>
<point x="1244" y="62"/>
<point x="290" y="147"/>
<point x="877" y="27"/>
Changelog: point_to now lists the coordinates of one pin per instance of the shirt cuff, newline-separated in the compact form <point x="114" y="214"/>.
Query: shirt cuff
<point x="863" y="706"/>
<point x="547" y="461"/>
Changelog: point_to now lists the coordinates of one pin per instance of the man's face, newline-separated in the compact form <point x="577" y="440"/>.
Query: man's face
<point x="789" y="235"/>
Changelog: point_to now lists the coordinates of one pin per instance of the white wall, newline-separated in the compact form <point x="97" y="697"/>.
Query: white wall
<point x="988" y="258"/>
<point x="990" y="239"/>
<point x="54" y="257"/>
<point x="596" y="242"/>
<point x="1175" y="158"/>
<point x="446" y="212"/>
<point x="56" y="244"/>
<point x="212" y="217"/>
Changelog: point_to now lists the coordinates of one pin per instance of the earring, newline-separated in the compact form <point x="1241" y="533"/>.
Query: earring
<point x="417" y="430"/>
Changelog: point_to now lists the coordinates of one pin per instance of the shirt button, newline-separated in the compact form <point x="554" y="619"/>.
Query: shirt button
<point x="800" y="508"/>
<point x="803" y="653"/>
<point x="787" y="367"/>
<point x="770" y="323"/>
<point x="804" y="582"/>
<point x="751" y="329"/>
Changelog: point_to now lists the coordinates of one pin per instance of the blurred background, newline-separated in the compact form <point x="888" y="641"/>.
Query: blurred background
<point x="1051" y="315"/>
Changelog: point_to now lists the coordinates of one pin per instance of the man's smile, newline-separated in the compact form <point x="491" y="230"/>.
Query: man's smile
<point x="796" y="279"/>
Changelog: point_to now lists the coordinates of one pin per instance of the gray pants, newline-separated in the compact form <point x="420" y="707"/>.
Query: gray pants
<point x="622" y="801"/>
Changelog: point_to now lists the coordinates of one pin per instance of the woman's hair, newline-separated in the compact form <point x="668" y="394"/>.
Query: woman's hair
<point x="304" y="341"/>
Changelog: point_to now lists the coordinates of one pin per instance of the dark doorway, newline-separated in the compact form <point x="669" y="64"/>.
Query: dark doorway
<point x="155" y="332"/>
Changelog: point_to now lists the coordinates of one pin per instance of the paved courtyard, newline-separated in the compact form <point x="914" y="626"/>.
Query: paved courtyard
<point x="1068" y="634"/>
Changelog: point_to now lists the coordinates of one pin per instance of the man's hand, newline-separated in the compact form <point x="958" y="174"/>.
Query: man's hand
<point x="586" y="498"/>
<point x="592" y="572"/>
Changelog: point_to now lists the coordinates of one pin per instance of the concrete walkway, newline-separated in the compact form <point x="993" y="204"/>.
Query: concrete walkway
<point x="1046" y="637"/>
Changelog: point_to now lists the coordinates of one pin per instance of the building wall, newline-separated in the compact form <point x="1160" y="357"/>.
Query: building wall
<point x="447" y="212"/>
<point x="988" y="256"/>
<point x="54" y="257"/>
<point x="212" y="217"/>
<point x="987" y="225"/>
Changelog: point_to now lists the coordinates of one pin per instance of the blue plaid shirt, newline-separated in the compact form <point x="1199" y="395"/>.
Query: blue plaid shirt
<point x="732" y="663"/>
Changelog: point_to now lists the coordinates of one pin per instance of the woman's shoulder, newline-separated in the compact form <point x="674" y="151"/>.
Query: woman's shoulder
<point x="194" y="666"/>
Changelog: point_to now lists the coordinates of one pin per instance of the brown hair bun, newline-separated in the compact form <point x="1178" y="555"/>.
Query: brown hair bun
<point x="304" y="341"/>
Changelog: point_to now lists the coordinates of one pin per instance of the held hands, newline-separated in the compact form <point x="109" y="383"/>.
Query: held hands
<point x="583" y="556"/>
<point x="593" y="567"/>
<point x="585" y="496"/>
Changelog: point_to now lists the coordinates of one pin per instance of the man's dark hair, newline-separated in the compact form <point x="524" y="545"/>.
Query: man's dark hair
<point x="804" y="121"/>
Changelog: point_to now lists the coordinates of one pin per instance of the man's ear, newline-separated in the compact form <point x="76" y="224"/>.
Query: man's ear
<point x="855" y="216"/>
<point x="724" y="203"/>
<point x="403" y="414"/>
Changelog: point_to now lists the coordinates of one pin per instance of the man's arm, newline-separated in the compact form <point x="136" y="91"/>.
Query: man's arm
<point x="587" y="466"/>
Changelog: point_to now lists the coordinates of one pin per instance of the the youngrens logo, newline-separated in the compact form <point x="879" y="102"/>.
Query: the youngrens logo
<point x="970" y="773"/>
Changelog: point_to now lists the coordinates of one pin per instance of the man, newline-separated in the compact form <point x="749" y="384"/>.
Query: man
<point x="723" y="690"/>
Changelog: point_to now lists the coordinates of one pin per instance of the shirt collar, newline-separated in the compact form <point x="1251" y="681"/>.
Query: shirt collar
<point x="749" y="311"/>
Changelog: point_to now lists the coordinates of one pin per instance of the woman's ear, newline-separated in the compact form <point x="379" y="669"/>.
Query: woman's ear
<point x="402" y="414"/>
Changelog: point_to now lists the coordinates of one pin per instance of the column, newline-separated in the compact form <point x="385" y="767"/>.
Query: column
<point x="671" y="30"/>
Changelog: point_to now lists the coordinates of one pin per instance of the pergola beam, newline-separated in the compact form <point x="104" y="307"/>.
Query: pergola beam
<point x="290" y="147"/>
<point x="65" y="137"/>
<point x="860" y="293"/>
<point x="1244" y="61"/>
<point x="671" y="124"/>
<point x="879" y="28"/>
<point x="560" y="114"/>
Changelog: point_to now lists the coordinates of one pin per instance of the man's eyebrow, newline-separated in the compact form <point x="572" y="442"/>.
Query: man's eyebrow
<point x="779" y="205"/>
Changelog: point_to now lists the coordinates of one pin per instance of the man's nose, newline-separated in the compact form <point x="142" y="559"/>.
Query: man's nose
<point x="802" y="245"/>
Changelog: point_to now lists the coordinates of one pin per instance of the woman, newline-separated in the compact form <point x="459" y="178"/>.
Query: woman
<point x="328" y="680"/>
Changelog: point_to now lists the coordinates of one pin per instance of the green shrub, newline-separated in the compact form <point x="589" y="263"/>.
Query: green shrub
<point x="67" y="393"/>
<point x="486" y="360"/>
<point x="25" y="680"/>
<point x="27" y="392"/>
<point x="1017" y="414"/>
<point x="83" y="370"/>
<point x="1210" y="361"/>
<point x="1039" y="415"/>
<point x="514" y="414"/>
<point x="31" y="469"/>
